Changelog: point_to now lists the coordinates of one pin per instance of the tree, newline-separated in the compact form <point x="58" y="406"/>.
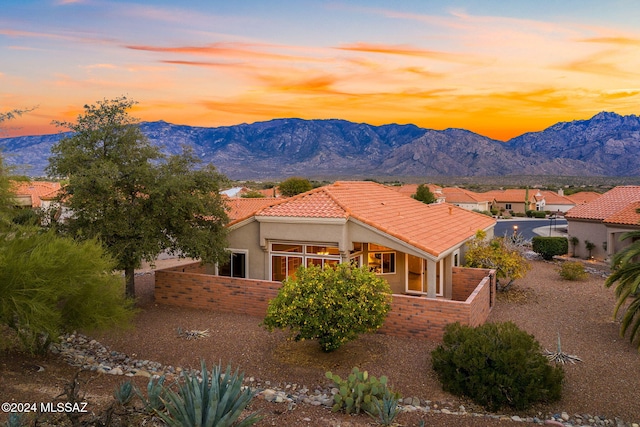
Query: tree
<point x="292" y="186"/>
<point x="625" y="268"/>
<point x="424" y="195"/>
<point x="50" y="284"/>
<point x="497" y="254"/>
<point x="332" y="305"/>
<point x="136" y="201"/>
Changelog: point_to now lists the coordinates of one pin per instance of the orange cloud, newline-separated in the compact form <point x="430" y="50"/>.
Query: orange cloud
<point x="405" y="51"/>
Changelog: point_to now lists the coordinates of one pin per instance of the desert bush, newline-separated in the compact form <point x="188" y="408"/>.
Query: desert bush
<point x="360" y="392"/>
<point x="332" y="305"/>
<point x="573" y="270"/>
<point x="496" y="365"/>
<point x="217" y="399"/>
<point x="548" y="247"/>
<point x="50" y="285"/>
<point x="501" y="254"/>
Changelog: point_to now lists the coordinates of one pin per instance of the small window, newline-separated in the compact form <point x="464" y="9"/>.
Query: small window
<point x="382" y="262"/>
<point x="235" y="267"/>
<point x="507" y="206"/>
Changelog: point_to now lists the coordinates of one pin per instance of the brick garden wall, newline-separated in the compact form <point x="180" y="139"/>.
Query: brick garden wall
<point x="410" y="316"/>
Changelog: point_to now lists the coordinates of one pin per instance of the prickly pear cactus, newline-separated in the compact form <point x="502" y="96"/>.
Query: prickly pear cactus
<point x="359" y="392"/>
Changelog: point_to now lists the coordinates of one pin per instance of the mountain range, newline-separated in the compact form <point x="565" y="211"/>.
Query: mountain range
<point x="608" y="144"/>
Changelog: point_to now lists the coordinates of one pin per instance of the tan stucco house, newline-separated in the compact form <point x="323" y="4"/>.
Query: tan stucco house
<point x="417" y="248"/>
<point x="603" y="220"/>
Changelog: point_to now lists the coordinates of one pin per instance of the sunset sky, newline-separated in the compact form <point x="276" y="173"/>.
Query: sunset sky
<point x="498" y="68"/>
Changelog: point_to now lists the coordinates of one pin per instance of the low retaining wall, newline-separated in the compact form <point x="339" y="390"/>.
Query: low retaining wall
<point x="411" y="316"/>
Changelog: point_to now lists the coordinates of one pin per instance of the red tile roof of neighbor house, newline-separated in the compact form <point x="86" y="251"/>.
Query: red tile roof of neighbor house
<point x="510" y="195"/>
<point x="461" y="195"/>
<point x="411" y="189"/>
<point x="432" y="228"/>
<point x="627" y="216"/>
<point x="238" y="207"/>
<point x="583" y="197"/>
<point x="614" y="206"/>
<point x="37" y="190"/>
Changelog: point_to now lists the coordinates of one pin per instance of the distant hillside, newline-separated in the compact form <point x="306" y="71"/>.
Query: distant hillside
<point x="606" y="145"/>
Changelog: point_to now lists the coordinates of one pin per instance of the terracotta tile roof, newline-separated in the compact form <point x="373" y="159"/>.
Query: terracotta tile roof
<point x="610" y="204"/>
<point x="313" y="204"/>
<point x="583" y="197"/>
<point x="37" y="190"/>
<point x="432" y="228"/>
<point x="240" y="208"/>
<point x="411" y="189"/>
<point x="461" y="195"/>
<point x="510" y="195"/>
<point x="553" y="198"/>
<point x="626" y="216"/>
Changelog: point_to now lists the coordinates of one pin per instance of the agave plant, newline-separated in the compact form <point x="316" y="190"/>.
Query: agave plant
<point x="561" y="357"/>
<point x="124" y="392"/>
<point x="216" y="400"/>
<point x="156" y="391"/>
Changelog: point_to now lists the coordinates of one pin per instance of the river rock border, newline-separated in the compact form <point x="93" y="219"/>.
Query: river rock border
<point x="86" y="353"/>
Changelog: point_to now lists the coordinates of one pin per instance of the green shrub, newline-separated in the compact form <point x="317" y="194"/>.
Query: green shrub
<point x="548" y="247"/>
<point x="538" y="214"/>
<point x="573" y="270"/>
<point x="50" y="285"/>
<point x="361" y="392"/>
<point x="496" y="365"/>
<point x="216" y="400"/>
<point x="332" y="305"/>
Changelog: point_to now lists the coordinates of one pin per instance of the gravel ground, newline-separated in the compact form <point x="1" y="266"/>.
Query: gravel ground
<point x="605" y="383"/>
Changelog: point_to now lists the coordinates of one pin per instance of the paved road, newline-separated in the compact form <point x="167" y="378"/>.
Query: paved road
<point x="531" y="227"/>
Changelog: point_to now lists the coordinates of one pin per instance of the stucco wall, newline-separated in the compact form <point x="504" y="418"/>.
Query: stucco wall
<point x="593" y="231"/>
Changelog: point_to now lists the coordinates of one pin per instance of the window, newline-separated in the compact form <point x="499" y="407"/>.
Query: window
<point x="236" y="266"/>
<point x="286" y="258"/>
<point x="382" y="262"/>
<point x="507" y="206"/>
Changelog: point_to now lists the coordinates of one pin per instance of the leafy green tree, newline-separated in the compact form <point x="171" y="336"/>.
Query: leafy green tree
<point x="424" y="195"/>
<point x="135" y="200"/>
<point x="497" y="254"/>
<point x="332" y="305"/>
<point x="292" y="186"/>
<point x="50" y="284"/>
<point x="626" y="272"/>
<point x="252" y="194"/>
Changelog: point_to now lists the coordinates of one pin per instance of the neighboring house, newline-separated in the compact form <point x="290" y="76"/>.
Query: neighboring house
<point x="35" y="194"/>
<point x="238" y="192"/>
<point x="583" y="197"/>
<point x="603" y="220"/>
<point x="411" y="189"/>
<point x="466" y="199"/>
<point x="512" y="200"/>
<point x="417" y="248"/>
<point x="552" y="201"/>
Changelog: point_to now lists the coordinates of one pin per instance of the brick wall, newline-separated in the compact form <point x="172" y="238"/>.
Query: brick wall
<point x="411" y="316"/>
<point x="186" y="287"/>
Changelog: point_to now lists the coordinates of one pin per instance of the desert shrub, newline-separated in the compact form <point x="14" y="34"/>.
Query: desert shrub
<point x="496" y="365"/>
<point x="538" y="214"/>
<point x="218" y="399"/>
<point x="573" y="270"/>
<point x="50" y="285"/>
<point x="501" y="254"/>
<point x="332" y="305"/>
<point x="548" y="247"/>
<point x="361" y="392"/>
